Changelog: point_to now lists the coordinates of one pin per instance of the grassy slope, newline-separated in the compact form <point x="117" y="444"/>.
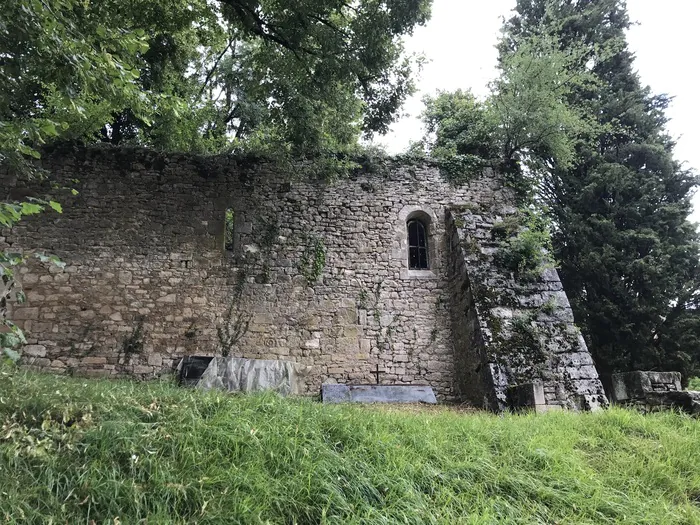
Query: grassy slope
<point x="154" y="451"/>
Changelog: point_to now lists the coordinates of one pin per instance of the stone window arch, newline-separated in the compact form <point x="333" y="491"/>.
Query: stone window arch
<point x="416" y="242"/>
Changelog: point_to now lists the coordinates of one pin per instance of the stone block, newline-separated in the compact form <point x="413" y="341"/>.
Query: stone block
<point x="125" y="277"/>
<point x="362" y="317"/>
<point x="636" y="385"/>
<point x="94" y="372"/>
<point x="351" y="332"/>
<point x="94" y="360"/>
<point x="670" y="380"/>
<point x="527" y="395"/>
<point x="653" y="391"/>
<point x="34" y="351"/>
<point x="23" y="313"/>
<point x="29" y="278"/>
<point x="347" y="315"/>
<point x="333" y="393"/>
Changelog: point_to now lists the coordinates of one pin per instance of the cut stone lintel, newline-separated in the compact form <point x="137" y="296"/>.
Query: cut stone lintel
<point x="378" y="394"/>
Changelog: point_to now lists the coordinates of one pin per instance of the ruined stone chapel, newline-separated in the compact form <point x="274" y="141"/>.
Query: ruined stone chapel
<point x="387" y="276"/>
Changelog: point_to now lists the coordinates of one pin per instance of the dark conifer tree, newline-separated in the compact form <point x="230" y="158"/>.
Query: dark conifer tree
<point x="628" y="254"/>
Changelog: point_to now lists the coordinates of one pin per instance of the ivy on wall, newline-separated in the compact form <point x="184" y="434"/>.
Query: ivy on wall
<point x="313" y="260"/>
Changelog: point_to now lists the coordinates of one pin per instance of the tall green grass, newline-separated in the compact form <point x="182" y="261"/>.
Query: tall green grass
<point x="75" y="450"/>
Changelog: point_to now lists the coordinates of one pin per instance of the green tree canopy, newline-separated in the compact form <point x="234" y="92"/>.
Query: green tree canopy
<point x="307" y="75"/>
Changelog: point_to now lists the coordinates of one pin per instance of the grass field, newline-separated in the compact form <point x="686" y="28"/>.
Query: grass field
<point x="75" y="450"/>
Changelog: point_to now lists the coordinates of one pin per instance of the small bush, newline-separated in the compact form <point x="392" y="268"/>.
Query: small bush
<point x="525" y="247"/>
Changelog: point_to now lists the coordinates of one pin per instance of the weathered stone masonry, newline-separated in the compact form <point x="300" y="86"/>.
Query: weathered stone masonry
<point x="147" y="279"/>
<point x="512" y="332"/>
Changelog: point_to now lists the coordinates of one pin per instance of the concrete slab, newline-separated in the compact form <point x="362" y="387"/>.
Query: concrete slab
<point x="378" y="394"/>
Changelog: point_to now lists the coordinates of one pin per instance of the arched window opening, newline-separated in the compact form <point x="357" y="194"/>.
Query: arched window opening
<point x="417" y="246"/>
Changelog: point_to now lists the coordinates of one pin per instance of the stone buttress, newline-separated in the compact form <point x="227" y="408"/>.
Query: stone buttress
<point x="511" y="333"/>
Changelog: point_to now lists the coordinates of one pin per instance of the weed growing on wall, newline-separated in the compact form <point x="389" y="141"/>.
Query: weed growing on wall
<point x="133" y="343"/>
<point x="362" y="301"/>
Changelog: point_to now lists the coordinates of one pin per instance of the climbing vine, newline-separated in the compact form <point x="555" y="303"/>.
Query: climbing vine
<point x="133" y="343"/>
<point x="313" y="260"/>
<point x="234" y="323"/>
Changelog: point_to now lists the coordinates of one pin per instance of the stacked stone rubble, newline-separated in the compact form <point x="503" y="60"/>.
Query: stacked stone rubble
<point x="653" y="391"/>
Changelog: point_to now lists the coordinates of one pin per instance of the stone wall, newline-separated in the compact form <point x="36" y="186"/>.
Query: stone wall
<point x="147" y="279"/>
<point x="316" y="273"/>
<point x="516" y="334"/>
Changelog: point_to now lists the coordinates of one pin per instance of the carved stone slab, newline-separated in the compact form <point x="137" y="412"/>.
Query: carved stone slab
<point x="378" y="394"/>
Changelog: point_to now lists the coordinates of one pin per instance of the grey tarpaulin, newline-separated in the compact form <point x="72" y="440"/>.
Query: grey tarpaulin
<point x="235" y="374"/>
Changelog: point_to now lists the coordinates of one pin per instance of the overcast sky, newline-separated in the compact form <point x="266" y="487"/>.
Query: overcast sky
<point x="459" y="44"/>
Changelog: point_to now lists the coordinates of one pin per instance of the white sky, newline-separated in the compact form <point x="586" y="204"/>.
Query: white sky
<point x="459" y="44"/>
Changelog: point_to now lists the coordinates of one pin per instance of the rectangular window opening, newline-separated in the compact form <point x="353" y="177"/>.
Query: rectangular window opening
<point x="229" y="222"/>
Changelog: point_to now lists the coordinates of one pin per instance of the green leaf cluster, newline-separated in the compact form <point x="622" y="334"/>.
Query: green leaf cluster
<point x="65" y="69"/>
<point x="460" y="132"/>
<point x="525" y="246"/>
<point x="203" y="75"/>
<point x="312" y="260"/>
